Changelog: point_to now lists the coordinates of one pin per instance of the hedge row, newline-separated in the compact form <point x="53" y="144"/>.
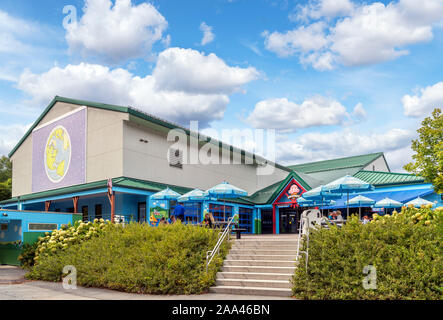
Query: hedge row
<point x="405" y="250"/>
<point x="138" y="258"/>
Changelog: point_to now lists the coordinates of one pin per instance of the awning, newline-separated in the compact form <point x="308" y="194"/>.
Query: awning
<point x="377" y="195"/>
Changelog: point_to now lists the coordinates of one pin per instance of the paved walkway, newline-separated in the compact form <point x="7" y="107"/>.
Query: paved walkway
<point x="13" y="286"/>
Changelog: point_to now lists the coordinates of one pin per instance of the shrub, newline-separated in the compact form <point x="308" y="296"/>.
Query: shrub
<point x="138" y="258"/>
<point x="27" y="256"/>
<point x="406" y="251"/>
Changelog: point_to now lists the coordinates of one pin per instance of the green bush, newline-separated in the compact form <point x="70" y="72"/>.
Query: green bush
<point x="27" y="256"/>
<point x="138" y="258"/>
<point x="406" y="251"/>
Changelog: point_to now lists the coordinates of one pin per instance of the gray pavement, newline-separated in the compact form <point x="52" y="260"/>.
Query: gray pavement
<point x="13" y="286"/>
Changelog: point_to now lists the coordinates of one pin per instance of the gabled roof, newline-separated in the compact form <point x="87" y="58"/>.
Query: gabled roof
<point x="360" y="161"/>
<point x="378" y="178"/>
<point x="269" y="193"/>
<point x="135" y="114"/>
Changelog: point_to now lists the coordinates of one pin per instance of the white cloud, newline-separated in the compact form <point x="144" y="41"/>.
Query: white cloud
<point x="178" y="102"/>
<point x="208" y="35"/>
<point x="348" y="142"/>
<point x="365" y="34"/>
<point x="301" y="40"/>
<point x="286" y="115"/>
<point x="116" y="32"/>
<point x="359" y="112"/>
<point x="423" y="102"/>
<point x="323" y="8"/>
<point x="192" y="71"/>
<point x="10" y="135"/>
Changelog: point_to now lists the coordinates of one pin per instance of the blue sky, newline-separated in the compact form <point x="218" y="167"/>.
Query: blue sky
<point x="334" y="78"/>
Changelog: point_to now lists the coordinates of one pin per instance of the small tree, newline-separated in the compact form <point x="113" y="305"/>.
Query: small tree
<point x="5" y="178"/>
<point x="428" y="157"/>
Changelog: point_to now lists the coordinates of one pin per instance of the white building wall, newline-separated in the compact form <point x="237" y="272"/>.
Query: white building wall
<point x="378" y="164"/>
<point x="148" y="161"/>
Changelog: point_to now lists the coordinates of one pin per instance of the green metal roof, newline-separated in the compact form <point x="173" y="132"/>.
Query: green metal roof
<point x="379" y="178"/>
<point x="117" y="182"/>
<point x="335" y="164"/>
<point x="134" y="115"/>
<point x="269" y="193"/>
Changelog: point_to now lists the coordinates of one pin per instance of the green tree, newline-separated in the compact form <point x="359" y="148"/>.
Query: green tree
<point x="428" y="157"/>
<point x="5" y="178"/>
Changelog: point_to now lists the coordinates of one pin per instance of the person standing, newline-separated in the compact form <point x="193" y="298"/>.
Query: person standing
<point x="179" y="211"/>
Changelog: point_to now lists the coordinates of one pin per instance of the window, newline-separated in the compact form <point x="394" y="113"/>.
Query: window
<point x="98" y="211"/>
<point x="4" y="227"/>
<point x="220" y="212"/>
<point x="42" y="226"/>
<point x="192" y="212"/>
<point x="175" y="158"/>
<point x="70" y="210"/>
<point x="245" y="219"/>
<point x="85" y="216"/>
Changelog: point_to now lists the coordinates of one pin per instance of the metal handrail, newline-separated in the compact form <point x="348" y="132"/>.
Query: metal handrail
<point x="304" y="222"/>
<point x="221" y="237"/>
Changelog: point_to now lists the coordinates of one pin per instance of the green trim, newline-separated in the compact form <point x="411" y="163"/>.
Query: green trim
<point x="264" y="196"/>
<point x="138" y="114"/>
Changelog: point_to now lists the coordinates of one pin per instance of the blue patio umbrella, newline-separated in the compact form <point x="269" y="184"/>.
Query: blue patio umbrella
<point x="224" y="191"/>
<point x="348" y="184"/>
<point x="314" y="203"/>
<point x="360" y="201"/>
<point x="320" y="194"/>
<point x="166" y="194"/>
<point x="388" y="203"/>
<point x="418" y="202"/>
<point x="194" y="195"/>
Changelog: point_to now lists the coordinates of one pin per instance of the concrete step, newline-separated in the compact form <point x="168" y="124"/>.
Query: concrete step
<point x="255" y="246"/>
<point x="265" y="242"/>
<point x="259" y="269"/>
<point x="254" y="275"/>
<point x="254" y="283"/>
<point x="269" y="263"/>
<point x="256" y="291"/>
<point x="262" y="251"/>
<point x="261" y="257"/>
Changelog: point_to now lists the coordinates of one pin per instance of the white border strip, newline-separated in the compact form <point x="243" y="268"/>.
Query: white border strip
<point x="59" y="118"/>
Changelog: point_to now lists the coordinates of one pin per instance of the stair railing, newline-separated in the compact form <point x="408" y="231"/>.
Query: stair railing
<point x="304" y="230"/>
<point x="221" y="237"/>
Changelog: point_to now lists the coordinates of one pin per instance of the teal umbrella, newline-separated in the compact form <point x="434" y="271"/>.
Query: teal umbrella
<point x="418" y="202"/>
<point x="348" y="184"/>
<point x="194" y="195"/>
<point x="167" y="194"/>
<point x="225" y="190"/>
<point x="360" y="201"/>
<point x="388" y="203"/>
<point x="320" y="194"/>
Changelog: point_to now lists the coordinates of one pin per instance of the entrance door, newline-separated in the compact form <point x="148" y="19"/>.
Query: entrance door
<point x="266" y="222"/>
<point x="288" y="220"/>
<point x="142" y="212"/>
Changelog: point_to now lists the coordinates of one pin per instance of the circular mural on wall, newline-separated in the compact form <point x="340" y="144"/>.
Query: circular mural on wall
<point x="57" y="154"/>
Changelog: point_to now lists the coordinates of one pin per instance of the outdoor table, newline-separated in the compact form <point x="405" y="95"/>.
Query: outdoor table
<point x="238" y="231"/>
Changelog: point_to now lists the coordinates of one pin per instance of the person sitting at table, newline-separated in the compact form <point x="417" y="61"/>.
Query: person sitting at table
<point x="338" y="216"/>
<point x="366" y="220"/>
<point x="162" y="221"/>
<point x="173" y="219"/>
<point x="332" y="216"/>
<point x="207" y="221"/>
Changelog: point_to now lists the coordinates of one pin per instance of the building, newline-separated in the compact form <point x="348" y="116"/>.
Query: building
<point x="64" y="161"/>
